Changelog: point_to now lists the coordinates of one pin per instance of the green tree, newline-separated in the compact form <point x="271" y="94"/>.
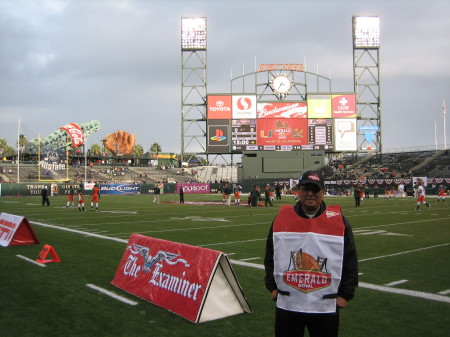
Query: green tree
<point x="3" y="145"/>
<point x="21" y="144"/>
<point x="96" y="150"/>
<point x="138" y="151"/>
<point x="155" y="148"/>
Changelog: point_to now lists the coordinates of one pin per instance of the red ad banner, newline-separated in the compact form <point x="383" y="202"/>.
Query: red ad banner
<point x="343" y="106"/>
<point x="282" y="110"/>
<point x="15" y="230"/>
<point x="75" y="133"/>
<point x="219" y="107"/>
<point x="177" y="277"/>
<point x="282" y="131"/>
<point x="194" y="188"/>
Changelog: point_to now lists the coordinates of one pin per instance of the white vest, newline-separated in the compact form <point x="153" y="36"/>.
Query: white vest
<point x="308" y="255"/>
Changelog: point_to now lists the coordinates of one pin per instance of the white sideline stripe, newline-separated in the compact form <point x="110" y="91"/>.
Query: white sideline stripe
<point x="401" y="253"/>
<point x="412" y="293"/>
<point x="251" y="258"/>
<point x="444" y="292"/>
<point x="31" y="261"/>
<point x="391" y="284"/>
<point x="111" y="294"/>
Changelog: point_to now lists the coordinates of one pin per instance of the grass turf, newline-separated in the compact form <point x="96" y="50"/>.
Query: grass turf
<point x="394" y="243"/>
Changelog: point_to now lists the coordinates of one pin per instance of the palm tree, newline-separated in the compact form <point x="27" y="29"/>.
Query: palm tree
<point x="3" y="145"/>
<point x="21" y="143"/>
<point x="156" y="148"/>
<point x="95" y="150"/>
<point x="138" y="150"/>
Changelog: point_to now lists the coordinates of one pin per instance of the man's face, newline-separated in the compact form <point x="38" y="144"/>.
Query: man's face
<point x="311" y="197"/>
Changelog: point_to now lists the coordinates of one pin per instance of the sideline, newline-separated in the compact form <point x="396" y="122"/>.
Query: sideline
<point x="412" y="293"/>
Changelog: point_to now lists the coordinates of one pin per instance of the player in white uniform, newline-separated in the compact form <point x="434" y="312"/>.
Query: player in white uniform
<point x="421" y="195"/>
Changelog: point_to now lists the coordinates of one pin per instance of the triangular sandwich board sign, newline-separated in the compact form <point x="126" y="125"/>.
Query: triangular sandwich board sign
<point x="225" y="296"/>
<point x="44" y="253"/>
<point x="195" y="283"/>
<point x="15" y="230"/>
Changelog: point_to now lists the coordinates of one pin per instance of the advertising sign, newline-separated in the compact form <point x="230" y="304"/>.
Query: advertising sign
<point x="244" y="106"/>
<point x="194" y="188"/>
<point x="320" y="133"/>
<point x="52" y="165"/>
<point x="343" y="106"/>
<point x="319" y="106"/>
<point x="282" y="132"/>
<point x="125" y="188"/>
<point x="218" y="136"/>
<point x="16" y="230"/>
<point x="345" y="134"/>
<point x="243" y="135"/>
<point x="183" y="279"/>
<point x="75" y="133"/>
<point x="282" y="110"/>
<point x="219" y="106"/>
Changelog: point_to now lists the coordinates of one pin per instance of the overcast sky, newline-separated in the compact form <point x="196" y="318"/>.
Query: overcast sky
<point x="119" y="62"/>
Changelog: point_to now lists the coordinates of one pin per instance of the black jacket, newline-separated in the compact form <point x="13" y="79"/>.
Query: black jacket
<point x="349" y="279"/>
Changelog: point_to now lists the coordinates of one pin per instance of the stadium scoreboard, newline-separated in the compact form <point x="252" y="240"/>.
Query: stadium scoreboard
<point x="238" y="122"/>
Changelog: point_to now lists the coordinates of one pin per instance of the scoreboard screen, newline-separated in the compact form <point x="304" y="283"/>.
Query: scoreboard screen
<point x="243" y="135"/>
<point x="238" y="122"/>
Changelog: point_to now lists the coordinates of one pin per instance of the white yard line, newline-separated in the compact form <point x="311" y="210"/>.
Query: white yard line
<point x="401" y="253"/>
<point x="395" y="283"/>
<point x="111" y="294"/>
<point x="31" y="261"/>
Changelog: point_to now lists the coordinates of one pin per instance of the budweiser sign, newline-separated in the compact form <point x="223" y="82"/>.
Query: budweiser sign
<point x="282" y="110"/>
<point x="75" y="133"/>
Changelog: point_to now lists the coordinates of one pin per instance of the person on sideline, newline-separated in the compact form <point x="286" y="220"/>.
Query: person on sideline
<point x="80" y="198"/>
<point x="95" y="197"/>
<point x="421" y="195"/>
<point x="237" y="194"/>
<point x="156" y="193"/>
<point x="181" y="192"/>
<point x="70" y="196"/>
<point x="44" y="194"/>
<point x="311" y="263"/>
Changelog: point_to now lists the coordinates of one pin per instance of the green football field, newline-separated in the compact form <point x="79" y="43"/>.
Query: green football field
<point x="403" y="263"/>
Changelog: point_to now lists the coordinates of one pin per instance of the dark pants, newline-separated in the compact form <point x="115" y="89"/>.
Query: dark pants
<point x="292" y="324"/>
<point x="357" y="201"/>
<point x="45" y="201"/>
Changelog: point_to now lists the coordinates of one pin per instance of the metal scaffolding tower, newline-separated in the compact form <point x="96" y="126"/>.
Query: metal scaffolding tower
<point x="366" y="70"/>
<point x="193" y="86"/>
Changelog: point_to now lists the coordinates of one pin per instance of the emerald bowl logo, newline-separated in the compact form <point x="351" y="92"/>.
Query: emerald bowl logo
<point x="307" y="274"/>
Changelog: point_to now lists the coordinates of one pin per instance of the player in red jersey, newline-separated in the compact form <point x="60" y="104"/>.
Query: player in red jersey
<point x="95" y="197"/>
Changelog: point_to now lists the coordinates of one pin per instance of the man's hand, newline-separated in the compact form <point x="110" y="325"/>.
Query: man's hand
<point x="120" y="142"/>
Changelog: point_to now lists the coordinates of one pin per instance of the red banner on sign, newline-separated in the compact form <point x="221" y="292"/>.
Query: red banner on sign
<point x="282" y="110"/>
<point x="179" y="278"/>
<point x="75" y="133"/>
<point x="219" y="107"/>
<point x="343" y="106"/>
<point x="16" y="230"/>
<point x="282" y="131"/>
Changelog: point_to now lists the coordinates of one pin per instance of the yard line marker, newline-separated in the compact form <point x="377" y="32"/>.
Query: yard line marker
<point x="31" y="261"/>
<point x="444" y="292"/>
<point x="251" y="258"/>
<point x="412" y="293"/>
<point x="401" y="253"/>
<point x="231" y="242"/>
<point x="111" y="294"/>
<point x="395" y="283"/>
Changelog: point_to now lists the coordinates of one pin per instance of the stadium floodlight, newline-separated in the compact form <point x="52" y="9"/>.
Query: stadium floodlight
<point x="366" y="32"/>
<point x="193" y="33"/>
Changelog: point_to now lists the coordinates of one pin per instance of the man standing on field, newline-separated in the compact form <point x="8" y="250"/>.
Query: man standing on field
<point x="95" y="197"/>
<point x="421" y="195"/>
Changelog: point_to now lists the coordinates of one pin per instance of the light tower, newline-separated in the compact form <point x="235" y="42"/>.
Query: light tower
<point x="193" y="86"/>
<point x="366" y="71"/>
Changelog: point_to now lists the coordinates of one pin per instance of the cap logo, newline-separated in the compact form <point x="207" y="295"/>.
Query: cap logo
<point x="314" y="177"/>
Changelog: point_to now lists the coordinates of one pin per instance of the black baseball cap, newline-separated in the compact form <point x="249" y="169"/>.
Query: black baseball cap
<point x="312" y="177"/>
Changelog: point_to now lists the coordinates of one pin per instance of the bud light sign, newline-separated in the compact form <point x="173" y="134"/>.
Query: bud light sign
<point x="120" y="189"/>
